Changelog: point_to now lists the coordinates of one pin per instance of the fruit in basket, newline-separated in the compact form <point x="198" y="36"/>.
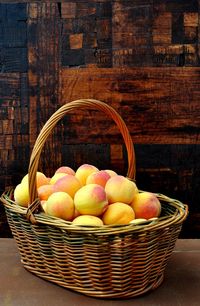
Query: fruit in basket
<point x="60" y="205"/>
<point x="43" y="203"/>
<point x="41" y="179"/>
<point x="91" y="200"/>
<point x="68" y="183"/>
<point x="146" y="205"/>
<point x="87" y="220"/>
<point x="100" y="178"/>
<point x="118" y="213"/>
<point x="65" y="169"/>
<point x="84" y="171"/>
<point x="120" y="189"/>
<point x="21" y="194"/>
<point x="45" y="191"/>
<point x="111" y="172"/>
<point x="56" y="177"/>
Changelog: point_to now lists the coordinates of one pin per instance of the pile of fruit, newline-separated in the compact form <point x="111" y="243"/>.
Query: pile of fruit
<point x="90" y="196"/>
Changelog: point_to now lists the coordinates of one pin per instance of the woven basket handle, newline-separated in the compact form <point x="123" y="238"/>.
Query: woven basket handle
<point x="47" y="129"/>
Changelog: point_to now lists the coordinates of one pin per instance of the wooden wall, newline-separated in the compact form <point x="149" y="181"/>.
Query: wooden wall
<point x="141" y="57"/>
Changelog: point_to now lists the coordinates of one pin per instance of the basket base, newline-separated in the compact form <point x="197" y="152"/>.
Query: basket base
<point x="95" y="293"/>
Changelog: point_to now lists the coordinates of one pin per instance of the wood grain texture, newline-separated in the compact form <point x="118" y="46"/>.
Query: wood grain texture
<point x="160" y="105"/>
<point x="43" y="56"/>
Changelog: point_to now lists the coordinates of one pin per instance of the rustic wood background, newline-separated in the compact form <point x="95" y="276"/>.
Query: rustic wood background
<point x="142" y="57"/>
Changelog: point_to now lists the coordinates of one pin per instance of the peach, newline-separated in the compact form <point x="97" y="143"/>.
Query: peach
<point x="56" y="177"/>
<point x="45" y="191"/>
<point x="60" y="205"/>
<point x="84" y="171"/>
<point x="146" y="205"/>
<point x="76" y="213"/>
<point x="41" y="179"/>
<point x="44" y="204"/>
<point x="21" y="194"/>
<point x="65" y="169"/>
<point x="120" y="189"/>
<point x="100" y="178"/>
<point x="111" y="172"/>
<point x="91" y="200"/>
<point x="69" y="184"/>
<point x="87" y="220"/>
<point x="118" y="213"/>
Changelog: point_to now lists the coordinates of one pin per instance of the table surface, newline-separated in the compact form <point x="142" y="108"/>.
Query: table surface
<point x="181" y="285"/>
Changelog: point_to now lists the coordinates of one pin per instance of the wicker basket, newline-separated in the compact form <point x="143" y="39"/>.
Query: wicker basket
<point x="108" y="261"/>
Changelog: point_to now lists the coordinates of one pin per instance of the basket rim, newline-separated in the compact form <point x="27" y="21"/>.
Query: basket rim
<point x="41" y="218"/>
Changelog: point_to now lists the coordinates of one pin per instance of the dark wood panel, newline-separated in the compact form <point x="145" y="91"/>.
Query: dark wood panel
<point x="43" y="56"/>
<point x="130" y="33"/>
<point x="159" y="105"/>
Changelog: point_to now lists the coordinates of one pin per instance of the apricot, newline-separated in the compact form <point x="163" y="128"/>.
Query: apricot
<point x="68" y="183"/>
<point x="60" y="205"/>
<point x="56" y="177"/>
<point x="118" y="213"/>
<point x="84" y="171"/>
<point x="21" y="194"/>
<point x="45" y="191"/>
<point x="100" y="178"/>
<point x="91" y="200"/>
<point x="44" y="204"/>
<point x="120" y="189"/>
<point x="65" y="169"/>
<point x="76" y="213"/>
<point x="146" y="205"/>
<point x="111" y="172"/>
<point x="41" y="179"/>
<point x="87" y="220"/>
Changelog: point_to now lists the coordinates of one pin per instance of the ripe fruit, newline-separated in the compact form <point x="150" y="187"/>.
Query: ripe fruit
<point x="84" y="171"/>
<point x="65" y="169"/>
<point x="118" y="213"/>
<point x="41" y="179"/>
<point x="45" y="191"/>
<point x="21" y="194"/>
<point x="68" y="183"/>
<point x="56" y="177"/>
<point x="146" y="205"/>
<point x="111" y="172"/>
<point x="91" y="200"/>
<point x="120" y="189"/>
<point x="60" y="205"/>
<point x="100" y="178"/>
<point x="87" y="220"/>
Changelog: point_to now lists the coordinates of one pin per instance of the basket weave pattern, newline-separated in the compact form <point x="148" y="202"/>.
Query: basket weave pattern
<point x="109" y="261"/>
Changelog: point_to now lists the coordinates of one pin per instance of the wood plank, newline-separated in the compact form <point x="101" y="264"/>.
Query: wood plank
<point x="43" y="55"/>
<point x="159" y="105"/>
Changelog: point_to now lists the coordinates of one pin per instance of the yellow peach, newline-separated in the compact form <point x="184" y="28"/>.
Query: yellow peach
<point x="84" y="171"/>
<point x="43" y="203"/>
<point x="68" y="183"/>
<point x="120" y="189"/>
<point x="41" y="179"/>
<point x="146" y="205"/>
<point x="56" y="177"/>
<point x="65" y="169"/>
<point x="111" y="172"/>
<point x="118" y="213"/>
<point x="87" y="220"/>
<point x="60" y="205"/>
<point x="76" y="213"/>
<point x="91" y="200"/>
<point x="21" y="194"/>
<point x="100" y="178"/>
<point x="45" y="191"/>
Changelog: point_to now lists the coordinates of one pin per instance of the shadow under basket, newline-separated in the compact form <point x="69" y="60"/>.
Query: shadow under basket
<point x="111" y="261"/>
